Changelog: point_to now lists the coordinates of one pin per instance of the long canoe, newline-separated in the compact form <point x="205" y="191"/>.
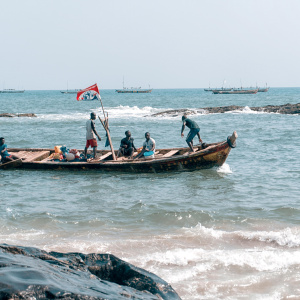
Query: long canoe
<point x="172" y="159"/>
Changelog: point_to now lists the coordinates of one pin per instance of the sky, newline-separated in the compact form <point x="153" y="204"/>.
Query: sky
<point x="60" y="44"/>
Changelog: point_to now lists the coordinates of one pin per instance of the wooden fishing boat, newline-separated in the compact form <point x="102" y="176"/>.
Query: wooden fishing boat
<point x="166" y="160"/>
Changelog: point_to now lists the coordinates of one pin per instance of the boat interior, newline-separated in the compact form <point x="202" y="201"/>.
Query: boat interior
<point x="46" y="155"/>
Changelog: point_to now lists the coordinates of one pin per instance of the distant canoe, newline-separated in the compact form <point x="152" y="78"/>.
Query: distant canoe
<point x="70" y="92"/>
<point x="240" y="91"/>
<point x="166" y="160"/>
<point x="137" y="91"/>
<point x="263" y="90"/>
<point x="11" y="91"/>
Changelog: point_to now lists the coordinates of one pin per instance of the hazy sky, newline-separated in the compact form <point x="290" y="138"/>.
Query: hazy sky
<point x="165" y="43"/>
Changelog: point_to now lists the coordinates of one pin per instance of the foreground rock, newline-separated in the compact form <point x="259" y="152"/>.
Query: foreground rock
<point x="7" y="115"/>
<point x="281" y="109"/>
<point x="30" y="273"/>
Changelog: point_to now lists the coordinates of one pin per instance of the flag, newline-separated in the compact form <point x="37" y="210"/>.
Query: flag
<point x="90" y="93"/>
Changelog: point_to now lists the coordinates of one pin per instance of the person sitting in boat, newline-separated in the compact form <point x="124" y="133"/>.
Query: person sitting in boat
<point x="127" y="147"/>
<point x="148" y="150"/>
<point x="194" y="130"/>
<point x="5" y="156"/>
<point x="91" y="134"/>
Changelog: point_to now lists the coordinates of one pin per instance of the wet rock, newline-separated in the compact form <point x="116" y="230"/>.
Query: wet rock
<point x="26" y="115"/>
<point x="30" y="273"/>
<point x="7" y="115"/>
<point x="281" y="109"/>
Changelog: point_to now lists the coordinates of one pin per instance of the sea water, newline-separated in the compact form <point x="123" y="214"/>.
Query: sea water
<point x="225" y="233"/>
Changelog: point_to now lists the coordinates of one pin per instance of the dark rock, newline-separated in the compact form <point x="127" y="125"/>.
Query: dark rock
<point x="26" y="115"/>
<point x="27" y="272"/>
<point x="281" y="109"/>
<point x="7" y="115"/>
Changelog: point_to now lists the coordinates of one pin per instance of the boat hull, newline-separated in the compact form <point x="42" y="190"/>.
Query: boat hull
<point x="11" y="164"/>
<point x="244" y="92"/>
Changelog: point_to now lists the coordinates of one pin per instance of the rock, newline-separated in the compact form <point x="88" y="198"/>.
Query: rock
<point x="281" y="109"/>
<point x="26" y="115"/>
<point x="30" y="273"/>
<point x="7" y="115"/>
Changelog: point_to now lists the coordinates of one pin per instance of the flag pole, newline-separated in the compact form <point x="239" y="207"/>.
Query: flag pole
<point x="105" y="126"/>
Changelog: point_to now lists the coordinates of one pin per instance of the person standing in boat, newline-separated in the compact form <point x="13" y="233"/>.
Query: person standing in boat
<point x="91" y="134"/>
<point x="4" y="155"/>
<point x="194" y="130"/>
<point x="127" y="147"/>
<point x="148" y="150"/>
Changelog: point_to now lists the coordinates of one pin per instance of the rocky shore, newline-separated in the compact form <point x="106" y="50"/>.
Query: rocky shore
<point x="281" y="109"/>
<point x="30" y="273"/>
<point x="7" y="115"/>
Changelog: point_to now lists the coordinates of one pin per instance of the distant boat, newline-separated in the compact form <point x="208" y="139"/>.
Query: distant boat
<point x="263" y="90"/>
<point x="10" y="91"/>
<point x="70" y="91"/>
<point x="134" y="90"/>
<point x="218" y="89"/>
<point x="237" y="91"/>
<point x="137" y="90"/>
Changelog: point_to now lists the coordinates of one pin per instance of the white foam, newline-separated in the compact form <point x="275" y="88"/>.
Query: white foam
<point x="246" y="110"/>
<point x="225" y="169"/>
<point x="62" y="117"/>
<point x="131" y="111"/>
<point x="286" y="237"/>
<point x="113" y="112"/>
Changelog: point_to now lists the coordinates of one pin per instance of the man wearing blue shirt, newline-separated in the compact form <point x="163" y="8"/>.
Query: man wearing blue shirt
<point x="5" y="156"/>
<point x="194" y="130"/>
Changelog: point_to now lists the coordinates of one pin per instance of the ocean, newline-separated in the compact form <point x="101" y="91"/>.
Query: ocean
<point x="225" y="233"/>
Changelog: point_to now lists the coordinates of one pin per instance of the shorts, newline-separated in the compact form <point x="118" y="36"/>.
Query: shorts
<point x="92" y="143"/>
<point x="192" y="134"/>
<point x="127" y="152"/>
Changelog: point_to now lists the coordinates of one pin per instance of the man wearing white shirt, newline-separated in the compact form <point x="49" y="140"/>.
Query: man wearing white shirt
<point x="148" y="150"/>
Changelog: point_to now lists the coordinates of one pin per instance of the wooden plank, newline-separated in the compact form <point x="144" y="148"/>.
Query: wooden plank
<point x="170" y="153"/>
<point x="35" y="156"/>
<point x="104" y="156"/>
<point x="21" y="154"/>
